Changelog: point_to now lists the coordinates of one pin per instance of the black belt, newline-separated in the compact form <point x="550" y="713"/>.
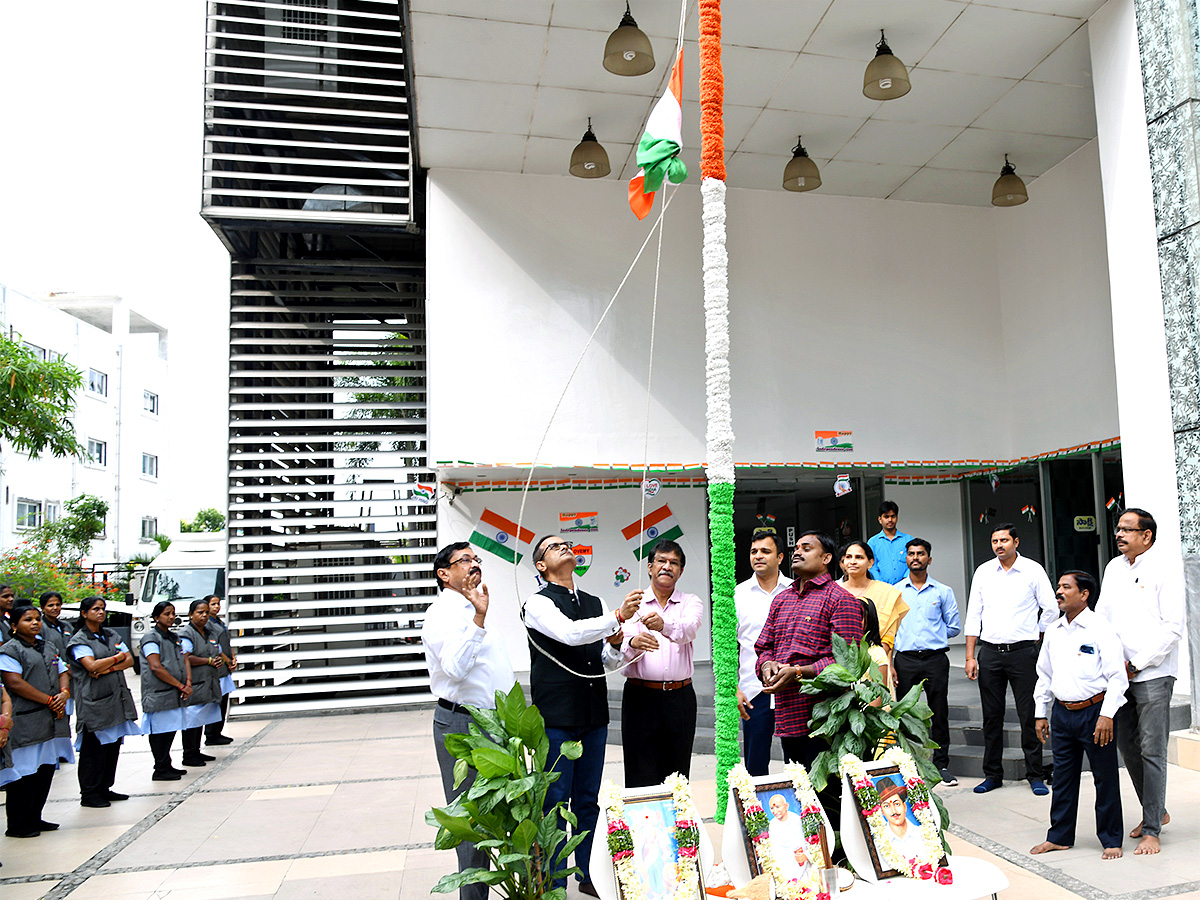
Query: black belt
<point x="922" y="654"/>
<point x="453" y="707"/>
<point x="1009" y="648"/>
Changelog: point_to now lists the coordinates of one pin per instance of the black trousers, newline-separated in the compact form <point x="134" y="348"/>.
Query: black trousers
<point x="657" y="731"/>
<point x="1071" y="734"/>
<point x="804" y="749"/>
<point x="998" y="670"/>
<point x="26" y="799"/>
<point x="214" y="729"/>
<point x="932" y="667"/>
<point x="160" y="747"/>
<point x="191" y="742"/>
<point x="97" y="769"/>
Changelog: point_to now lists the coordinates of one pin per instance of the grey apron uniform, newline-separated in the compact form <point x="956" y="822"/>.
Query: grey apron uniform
<point x="206" y="680"/>
<point x="158" y="696"/>
<point x="104" y="701"/>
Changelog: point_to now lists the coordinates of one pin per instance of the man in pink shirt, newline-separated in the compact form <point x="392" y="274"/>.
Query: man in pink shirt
<point x="658" y="708"/>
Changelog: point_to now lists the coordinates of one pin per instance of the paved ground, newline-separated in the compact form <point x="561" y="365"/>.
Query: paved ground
<point x="334" y="806"/>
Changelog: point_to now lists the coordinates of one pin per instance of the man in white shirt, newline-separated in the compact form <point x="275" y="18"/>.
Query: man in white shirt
<point x="467" y="665"/>
<point x="752" y="601"/>
<point x="1143" y="598"/>
<point x="904" y="837"/>
<point x="1010" y="605"/>
<point x="573" y="641"/>
<point x="1081" y="685"/>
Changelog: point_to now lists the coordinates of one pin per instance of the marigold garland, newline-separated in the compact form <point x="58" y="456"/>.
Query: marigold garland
<point x="925" y="866"/>
<point x="687" y="840"/>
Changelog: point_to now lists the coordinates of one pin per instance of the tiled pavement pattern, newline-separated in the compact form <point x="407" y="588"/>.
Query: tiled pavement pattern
<point x="331" y="807"/>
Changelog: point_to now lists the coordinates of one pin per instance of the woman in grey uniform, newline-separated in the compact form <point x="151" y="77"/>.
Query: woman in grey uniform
<point x="166" y="683"/>
<point x="200" y="640"/>
<point x="37" y="682"/>
<point x="212" y="733"/>
<point x="54" y="630"/>
<point x="106" y="712"/>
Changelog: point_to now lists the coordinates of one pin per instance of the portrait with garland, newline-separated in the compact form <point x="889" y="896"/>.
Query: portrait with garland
<point x="653" y="840"/>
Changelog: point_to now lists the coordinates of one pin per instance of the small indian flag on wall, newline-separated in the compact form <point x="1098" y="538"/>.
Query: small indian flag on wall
<point x="501" y="536"/>
<point x="643" y="534"/>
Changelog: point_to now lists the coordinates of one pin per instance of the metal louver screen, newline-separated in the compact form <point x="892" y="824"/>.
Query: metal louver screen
<point x="330" y="562"/>
<point x="306" y="112"/>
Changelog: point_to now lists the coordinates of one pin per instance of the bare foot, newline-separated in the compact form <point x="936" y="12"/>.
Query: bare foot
<point x="1147" y="846"/>
<point x="1111" y="853"/>
<point x="1046" y="847"/>
<point x="1137" y="832"/>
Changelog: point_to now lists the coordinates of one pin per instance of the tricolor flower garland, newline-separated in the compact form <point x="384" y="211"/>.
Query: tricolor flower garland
<point x="924" y="866"/>
<point x="687" y="841"/>
<point x="758" y="830"/>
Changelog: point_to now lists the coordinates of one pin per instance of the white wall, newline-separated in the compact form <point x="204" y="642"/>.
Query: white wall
<point x="934" y="512"/>
<point x="616" y="508"/>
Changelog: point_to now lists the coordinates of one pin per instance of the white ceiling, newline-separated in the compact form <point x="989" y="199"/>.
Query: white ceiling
<point x="513" y="82"/>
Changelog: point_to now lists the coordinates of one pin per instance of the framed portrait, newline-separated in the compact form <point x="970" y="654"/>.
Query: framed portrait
<point x="656" y="858"/>
<point x="896" y="836"/>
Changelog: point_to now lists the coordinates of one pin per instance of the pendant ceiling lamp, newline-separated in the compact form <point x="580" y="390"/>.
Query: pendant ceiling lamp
<point x="588" y="159"/>
<point x="628" y="51"/>
<point x="1009" y="189"/>
<point x="885" y="78"/>
<point x="801" y="173"/>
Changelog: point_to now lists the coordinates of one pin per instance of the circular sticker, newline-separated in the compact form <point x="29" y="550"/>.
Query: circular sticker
<point x="650" y="487"/>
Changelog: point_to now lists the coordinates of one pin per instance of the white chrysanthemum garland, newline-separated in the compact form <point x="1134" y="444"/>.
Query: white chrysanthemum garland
<point x="758" y="830"/>
<point x="687" y="840"/>
<point x="926" y="865"/>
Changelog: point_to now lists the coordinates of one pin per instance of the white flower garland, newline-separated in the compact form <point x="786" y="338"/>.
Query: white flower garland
<point x="925" y="865"/>
<point x="791" y="888"/>
<point x="715" y="260"/>
<point x="687" y="865"/>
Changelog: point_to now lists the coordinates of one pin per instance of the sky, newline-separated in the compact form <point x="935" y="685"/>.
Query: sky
<point x="101" y="136"/>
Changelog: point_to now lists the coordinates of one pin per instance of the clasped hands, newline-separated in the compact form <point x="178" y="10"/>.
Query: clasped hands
<point x="777" y="677"/>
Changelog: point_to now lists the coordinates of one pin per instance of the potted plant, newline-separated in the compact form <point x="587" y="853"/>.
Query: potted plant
<point x="502" y="812"/>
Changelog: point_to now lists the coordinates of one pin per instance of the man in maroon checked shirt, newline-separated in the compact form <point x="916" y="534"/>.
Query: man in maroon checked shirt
<point x="796" y="641"/>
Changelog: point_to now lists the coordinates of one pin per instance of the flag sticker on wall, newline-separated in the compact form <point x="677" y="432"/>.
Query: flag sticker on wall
<point x="423" y="493"/>
<point x="498" y="535"/>
<point x="583" y="558"/>
<point x="642" y="534"/>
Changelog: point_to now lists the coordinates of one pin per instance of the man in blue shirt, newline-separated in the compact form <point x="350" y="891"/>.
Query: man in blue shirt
<point x="891" y="562"/>
<point x="922" y="645"/>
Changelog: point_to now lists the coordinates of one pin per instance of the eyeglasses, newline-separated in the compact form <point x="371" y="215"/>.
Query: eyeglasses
<point x="546" y="548"/>
<point x="471" y="560"/>
<point x="1121" y="529"/>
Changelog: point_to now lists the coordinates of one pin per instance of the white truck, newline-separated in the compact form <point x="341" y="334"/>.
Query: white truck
<point x="191" y="568"/>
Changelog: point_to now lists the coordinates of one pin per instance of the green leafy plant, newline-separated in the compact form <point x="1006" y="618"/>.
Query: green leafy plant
<point x="502" y="812"/>
<point x="36" y="401"/>
<point x="856" y="715"/>
<point x="206" y="520"/>
<point x="70" y="536"/>
<point x="31" y="569"/>
<point x="163" y="542"/>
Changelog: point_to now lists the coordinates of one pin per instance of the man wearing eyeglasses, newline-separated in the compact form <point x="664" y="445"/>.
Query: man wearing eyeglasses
<point x="467" y="665"/>
<point x="1142" y="595"/>
<point x="573" y="641"/>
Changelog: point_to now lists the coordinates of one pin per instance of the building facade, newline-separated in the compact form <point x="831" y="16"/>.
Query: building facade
<point x="123" y="358"/>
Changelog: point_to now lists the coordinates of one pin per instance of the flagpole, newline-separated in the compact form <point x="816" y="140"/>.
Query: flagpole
<point x="719" y="434"/>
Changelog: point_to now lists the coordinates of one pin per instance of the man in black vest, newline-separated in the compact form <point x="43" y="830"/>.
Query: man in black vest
<point x="572" y="642"/>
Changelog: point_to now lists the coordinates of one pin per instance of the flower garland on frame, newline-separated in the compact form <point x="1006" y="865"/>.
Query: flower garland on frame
<point x="687" y="841"/>
<point x="758" y="830"/>
<point x="926" y="865"/>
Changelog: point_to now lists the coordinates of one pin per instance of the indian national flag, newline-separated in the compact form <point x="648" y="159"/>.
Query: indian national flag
<point x="658" y="150"/>
<point x="643" y="534"/>
<point x="423" y="493"/>
<point x="499" y="535"/>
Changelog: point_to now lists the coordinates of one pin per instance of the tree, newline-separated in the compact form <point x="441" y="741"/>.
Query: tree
<point x="36" y="398"/>
<point x="206" y="520"/>
<point x="70" y="536"/>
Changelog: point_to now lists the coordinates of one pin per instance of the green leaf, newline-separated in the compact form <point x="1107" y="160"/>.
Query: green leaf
<point x="492" y="762"/>
<point x="523" y="835"/>
<point x="507" y="859"/>
<point x="858" y="721"/>
<point x="841" y="703"/>
<point x="569" y="847"/>
<point x="842" y="652"/>
<point x="888" y="721"/>
<point x="461" y="770"/>
<point x="455" y="880"/>
<point x="571" y="749"/>
<point x="532" y="728"/>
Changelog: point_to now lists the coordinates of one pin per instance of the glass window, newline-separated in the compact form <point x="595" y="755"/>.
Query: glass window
<point x="29" y="514"/>
<point x="150" y="465"/>
<point x="182" y="586"/>
<point x="51" y="510"/>
<point x="97" y="452"/>
<point x="39" y="352"/>
<point x="150" y="402"/>
<point x="149" y="528"/>
<point x="97" y="382"/>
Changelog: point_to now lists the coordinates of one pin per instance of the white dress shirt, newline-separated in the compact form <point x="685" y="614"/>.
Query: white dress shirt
<point x="467" y="664"/>
<point x="1144" y="602"/>
<point x="542" y="615"/>
<point x="1003" y="606"/>
<point x="1077" y="661"/>
<point x="752" y="604"/>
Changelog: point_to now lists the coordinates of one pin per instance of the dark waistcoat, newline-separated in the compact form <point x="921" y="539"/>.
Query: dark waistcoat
<point x="33" y="722"/>
<point x="566" y="700"/>
<point x="157" y="695"/>
<point x="104" y="701"/>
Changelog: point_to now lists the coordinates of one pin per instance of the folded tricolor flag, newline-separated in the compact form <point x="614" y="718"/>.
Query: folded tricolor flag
<point x="658" y="150"/>
<point x="499" y="535"/>
<point x="643" y="534"/>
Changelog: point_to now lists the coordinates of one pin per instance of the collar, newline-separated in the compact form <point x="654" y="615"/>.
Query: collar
<point x="1016" y="566"/>
<point x="1082" y="620"/>
<point x="906" y="581"/>
<point x="1141" y="556"/>
<point x="169" y="635"/>
<point x="820" y="581"/>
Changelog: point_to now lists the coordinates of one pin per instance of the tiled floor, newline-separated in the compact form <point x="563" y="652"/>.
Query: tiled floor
<point x="332" y="807"/>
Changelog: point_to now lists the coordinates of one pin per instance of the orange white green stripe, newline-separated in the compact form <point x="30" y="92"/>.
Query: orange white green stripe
<point x="501" y="536"/>
<point x="642" y="534"/>
<point x="658" y="150"/>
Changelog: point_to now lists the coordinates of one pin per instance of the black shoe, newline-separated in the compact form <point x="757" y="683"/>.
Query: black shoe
<point x="218" y="740"/>
<point x="171" y="775"/>
<point x="94" y="802"/>
<point x="21" y="834"/>
<point x="113" y="796"/>
<point x="178" y="771"/>
<point x="586" y="887"/>
<point x="948" y="778"/>
<point x="204" y="756"/>
<point x="48" y="826"/>
<point x="194" y="762"/>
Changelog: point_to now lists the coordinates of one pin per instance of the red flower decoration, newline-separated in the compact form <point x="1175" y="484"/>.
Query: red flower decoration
<point x="925" y="872"/>
<point x="944" y="876"/>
